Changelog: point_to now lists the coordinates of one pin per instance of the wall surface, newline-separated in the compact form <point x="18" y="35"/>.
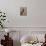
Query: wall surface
<point x="34" y="21"/>
<point x="36" y="13"/>
<point x="39" y="13"/>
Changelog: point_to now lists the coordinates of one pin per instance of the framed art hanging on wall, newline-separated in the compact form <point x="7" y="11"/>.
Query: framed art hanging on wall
<point x="23" y="11"/>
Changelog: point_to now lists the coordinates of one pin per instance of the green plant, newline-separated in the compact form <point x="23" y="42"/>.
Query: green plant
<point x="2" y="19"/>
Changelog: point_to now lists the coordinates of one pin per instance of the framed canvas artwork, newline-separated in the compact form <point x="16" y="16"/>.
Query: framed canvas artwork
<point x="23" y="11"/>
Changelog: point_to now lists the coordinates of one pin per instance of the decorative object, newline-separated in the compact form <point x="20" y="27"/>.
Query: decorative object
<point x="44" y="44"/>
<point x="7" y="30"/>
<point x="8" y="40"/>
<point x="23" y="11"/>
<point x="2" y="19"/>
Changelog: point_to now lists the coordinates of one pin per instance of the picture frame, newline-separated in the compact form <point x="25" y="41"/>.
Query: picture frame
<point x="23" y="11"/>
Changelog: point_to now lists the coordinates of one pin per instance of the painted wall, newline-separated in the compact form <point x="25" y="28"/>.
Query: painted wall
<point x="36" y="13"/>
<point x="39" y="13"/>
<point x="12" y="9"/>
